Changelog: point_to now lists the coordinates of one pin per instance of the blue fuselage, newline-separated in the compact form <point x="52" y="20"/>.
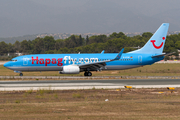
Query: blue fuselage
<point x="55" y="62"/>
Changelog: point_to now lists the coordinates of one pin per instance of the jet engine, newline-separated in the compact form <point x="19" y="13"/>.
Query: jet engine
<point x="70" y="70"/>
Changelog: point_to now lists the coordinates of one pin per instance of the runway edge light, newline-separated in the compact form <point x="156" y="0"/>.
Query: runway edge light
<point x="170" y="88"/>
<point x="129" y="87"/>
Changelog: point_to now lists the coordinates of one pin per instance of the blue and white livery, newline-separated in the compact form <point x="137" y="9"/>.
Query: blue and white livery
<point x="76" y="63"/>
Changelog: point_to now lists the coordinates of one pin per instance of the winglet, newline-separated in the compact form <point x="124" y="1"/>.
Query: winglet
<point x="119" y="55"/>
<point x="102" y="52"/>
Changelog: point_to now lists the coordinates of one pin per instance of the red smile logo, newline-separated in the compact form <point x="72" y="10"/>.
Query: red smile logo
<point x="157" y="47"/>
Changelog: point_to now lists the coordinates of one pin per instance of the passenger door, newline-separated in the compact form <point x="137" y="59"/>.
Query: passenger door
<point x="25" y="61"/>
<point x="140" y="59"/>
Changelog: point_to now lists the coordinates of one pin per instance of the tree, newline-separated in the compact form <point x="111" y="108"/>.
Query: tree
<point x="80" y="41"/>
<point x="87" y="40"/>
<point x="98" y="39"/>
<point x="176" y="53"/>
<point x="17" y="46"/>
<point x="24" y="46"/>
<point x="59" y="44"/>
<point x="3" y="48"/>
<point x="10" y="48"/>
<point x="121" y="35"/>
<point x="113" y="35"/>
<point x="49" y="43"/>
<point x="71" y="42"/>
<point x="118" y="35"/>
<point x="147" y="35"/>
<point x="177" y="45"/>
<point x="39" y="46"/>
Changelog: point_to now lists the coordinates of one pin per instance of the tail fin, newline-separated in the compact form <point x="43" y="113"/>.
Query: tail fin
<point x="156" y="42"/>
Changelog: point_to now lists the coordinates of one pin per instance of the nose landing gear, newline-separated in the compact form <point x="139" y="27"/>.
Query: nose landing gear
<point x="87" y="73"/>
<point x="20" y="74"/>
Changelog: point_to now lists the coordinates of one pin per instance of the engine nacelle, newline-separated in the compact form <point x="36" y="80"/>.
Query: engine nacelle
<point x="70" y="70"/>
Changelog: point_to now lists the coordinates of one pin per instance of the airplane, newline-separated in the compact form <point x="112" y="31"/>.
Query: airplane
<point x="150" y="53"/>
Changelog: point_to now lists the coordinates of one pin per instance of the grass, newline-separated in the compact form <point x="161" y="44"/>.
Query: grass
<point x="29" y="91"/>
<point x="90" y="104"/>
<point x="77" y="95"/>
<point x="149" y="70"/>
<point x="43" y="91"/>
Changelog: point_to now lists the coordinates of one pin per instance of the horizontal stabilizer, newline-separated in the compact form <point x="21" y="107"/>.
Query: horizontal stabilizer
<point x="163" y="55"/>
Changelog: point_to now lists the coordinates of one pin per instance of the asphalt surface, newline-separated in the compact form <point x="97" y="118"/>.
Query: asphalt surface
<point x="87" y="84"/>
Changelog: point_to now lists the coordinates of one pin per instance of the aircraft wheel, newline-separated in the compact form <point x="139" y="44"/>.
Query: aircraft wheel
<point x="85" y="74"/>
<point x="89" y="74"/>
<point x="21" y="74"/>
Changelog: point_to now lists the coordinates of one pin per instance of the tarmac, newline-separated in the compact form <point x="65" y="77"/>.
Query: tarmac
<point x="87" y="84"/>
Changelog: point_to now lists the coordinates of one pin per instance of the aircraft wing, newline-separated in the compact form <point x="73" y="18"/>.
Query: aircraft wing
<point x="94" y="66"/>
<point x="162" y="55"/>
<point x="101" y="64"/>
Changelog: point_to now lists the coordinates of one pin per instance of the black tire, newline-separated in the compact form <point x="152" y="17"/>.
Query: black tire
<point x="86" y="74"/>
<point x="21" y="74"/>
<point x="89" y="74"/>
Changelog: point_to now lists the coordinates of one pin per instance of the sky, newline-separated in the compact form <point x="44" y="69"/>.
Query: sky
<point x="27" y="17"/>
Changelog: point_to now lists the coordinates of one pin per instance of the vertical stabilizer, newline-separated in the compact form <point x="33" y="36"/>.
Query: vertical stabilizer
<point x="156" y="42"/>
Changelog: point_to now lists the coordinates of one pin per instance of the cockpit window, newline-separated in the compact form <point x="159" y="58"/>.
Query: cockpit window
<point x="14" y="60"/>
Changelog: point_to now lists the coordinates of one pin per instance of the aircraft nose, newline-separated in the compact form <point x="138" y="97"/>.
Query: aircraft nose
<point x="7" y="64"/>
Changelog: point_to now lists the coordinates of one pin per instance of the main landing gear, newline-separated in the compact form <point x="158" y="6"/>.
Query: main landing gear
<point x="87" y="73"/>
<point x="20" y="74"/>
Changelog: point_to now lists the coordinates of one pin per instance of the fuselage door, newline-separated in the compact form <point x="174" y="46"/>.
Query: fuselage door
<point x="140" y="59"/>
<point x="25" y="61"/>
